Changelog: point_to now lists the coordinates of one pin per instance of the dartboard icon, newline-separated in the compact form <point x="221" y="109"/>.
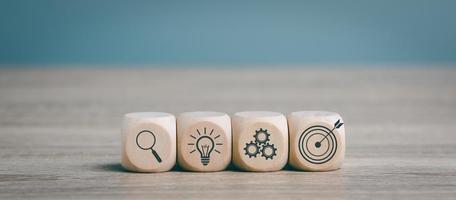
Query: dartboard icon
<point x="318" y="144"/>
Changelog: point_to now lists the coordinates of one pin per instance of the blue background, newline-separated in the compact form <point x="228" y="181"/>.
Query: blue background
<point x="227" y="32"/>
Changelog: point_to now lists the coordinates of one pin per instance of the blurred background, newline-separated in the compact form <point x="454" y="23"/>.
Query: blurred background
<point x="226" y="33"/>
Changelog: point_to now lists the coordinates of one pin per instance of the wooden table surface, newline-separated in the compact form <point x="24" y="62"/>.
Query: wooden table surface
<point x="60" y="131"/>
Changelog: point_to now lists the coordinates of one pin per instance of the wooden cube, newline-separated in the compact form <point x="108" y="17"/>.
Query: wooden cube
<point x="204" y="141"/>
<point x="317" y="140"/>
<point x="260" y="140"/>
<point x="148" y="142"/>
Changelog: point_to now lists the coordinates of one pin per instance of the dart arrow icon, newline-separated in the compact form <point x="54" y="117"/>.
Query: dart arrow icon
<point x="337" y="125"/>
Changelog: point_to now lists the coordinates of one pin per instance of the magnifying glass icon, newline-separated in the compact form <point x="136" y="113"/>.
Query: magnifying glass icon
<point x="145" y="141"/>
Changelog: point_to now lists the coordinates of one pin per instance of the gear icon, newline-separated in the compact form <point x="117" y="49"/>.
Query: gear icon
<point x="261" y="136"/>
<point x="251" y="149"/>
<point x="268" y="151"/>
<point x="261" y="144"/>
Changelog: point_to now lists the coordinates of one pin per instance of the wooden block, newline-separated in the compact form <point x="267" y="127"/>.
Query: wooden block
<point x="260" y="140"/>
<point x="204" y="141"/>
<point x="148" y="142"/>
<point x="317" y="140"/>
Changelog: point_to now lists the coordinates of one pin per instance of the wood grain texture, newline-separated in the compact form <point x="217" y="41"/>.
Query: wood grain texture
<point x="60" y="131"/>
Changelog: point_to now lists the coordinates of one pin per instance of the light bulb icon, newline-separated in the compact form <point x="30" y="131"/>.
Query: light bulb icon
<point x="205" y="146"/>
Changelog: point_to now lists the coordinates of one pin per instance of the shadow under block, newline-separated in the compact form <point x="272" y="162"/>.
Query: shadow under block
<point x="317" y="140"/>
<point x="148" y="142"/>
<point x="260" y="140"/>
<point x="204" y="141"/>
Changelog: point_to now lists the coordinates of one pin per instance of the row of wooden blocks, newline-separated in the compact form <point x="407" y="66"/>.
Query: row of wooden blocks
<point x="252" y="140"/>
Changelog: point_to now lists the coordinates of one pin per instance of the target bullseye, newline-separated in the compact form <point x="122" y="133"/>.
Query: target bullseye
<point x="317" y="144"/>
<point x="317" y="140"/>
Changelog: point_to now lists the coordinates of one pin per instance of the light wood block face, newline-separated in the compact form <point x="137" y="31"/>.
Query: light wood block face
<point x="204" y="141"/>
<point x="260" y="140"/>
<point x="148" y="142"/>
<point x="317" y="140"/>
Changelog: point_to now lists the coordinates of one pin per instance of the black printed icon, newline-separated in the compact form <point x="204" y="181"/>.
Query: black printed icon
<point x="261" y="145"/>
<point x="205" y="144"/>
<point x="146" y="141"/>
<point x="318" y="144"/>
<point x="252" y="149"/>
